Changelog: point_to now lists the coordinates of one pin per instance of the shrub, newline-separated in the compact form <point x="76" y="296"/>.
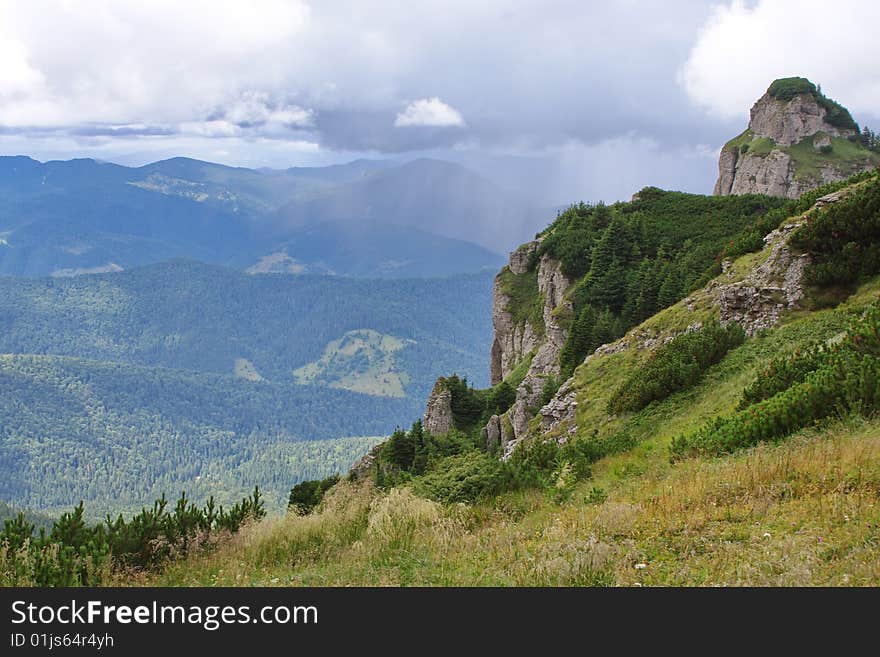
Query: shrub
<point x="538" y="464"/>
<point x="676" y="366"/>
<point x="468" y="406"/>
<point x="835" y="114"/>
<point x="500" y="398"/>
<point x="844" y="378"/>
<point x="782" y="373"/>
<point x="464" y="478"/>
<point x="306" y="495"/>
<point x="844" y="239"/>
<point x="785" y="89"/>
<point x="76" y="554"/>
<point x="752" y="238"/>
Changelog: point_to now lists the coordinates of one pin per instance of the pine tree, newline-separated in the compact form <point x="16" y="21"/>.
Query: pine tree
<point x="401" y="449"/>
<point x="606" y="329"/>
<point x="580" y="342"/>
<point x="420" y="456"/>
<point x="670" y="289"/>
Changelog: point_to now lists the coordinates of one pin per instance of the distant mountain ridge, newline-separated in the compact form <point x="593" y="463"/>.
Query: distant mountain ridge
<point x="366" y="218"/>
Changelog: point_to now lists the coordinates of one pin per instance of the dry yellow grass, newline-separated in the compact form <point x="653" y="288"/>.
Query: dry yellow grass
<point x="805" y="512"/>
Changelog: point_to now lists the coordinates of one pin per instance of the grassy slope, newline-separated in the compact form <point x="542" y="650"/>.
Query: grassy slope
<point x="846" y="156"/>
<point x="805" y="511"/>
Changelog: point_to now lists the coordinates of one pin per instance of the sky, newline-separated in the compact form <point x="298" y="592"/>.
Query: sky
<point x="567" y="100"/>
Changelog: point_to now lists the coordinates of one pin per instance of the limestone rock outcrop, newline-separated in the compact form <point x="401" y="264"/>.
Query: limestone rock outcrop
<point x="774" y="286"/>
<point x="363" y="467"/>
<point x="552" y="285"/>
<point x="795" y="142"/>
<point x="560" y="409"/>
<point x="438" y="419"/>
<point x="511" y="340"/>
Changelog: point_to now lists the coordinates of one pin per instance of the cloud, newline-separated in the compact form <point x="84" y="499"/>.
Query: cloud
<point x="740" y="49"/>
<point x="122" y="61"/>
<point x="257" y="108"/>
<point x="431" y="112"/>
<point x="339" y="72"/>
<point x="282" y="82"/>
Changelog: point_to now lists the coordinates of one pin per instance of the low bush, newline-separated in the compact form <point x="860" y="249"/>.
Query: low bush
<point x="306" y="495"/>
<point x="465" y="478"/>
<point x="539" y="464"/>
<point x="751" y="238"/>
<point x="73" y="553"/>
<point x="838" y="380"/>
<point x="676" y="366"/>
<point x="782" y="373"/>
<point x="844" y="239"/>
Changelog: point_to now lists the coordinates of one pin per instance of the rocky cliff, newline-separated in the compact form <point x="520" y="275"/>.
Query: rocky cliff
<point x="512" y="339"/>
<point x="544" y="365"/>
<point x="797" y="139"/>
<point x="755" y="296"/>
<point x="529" y="312"/>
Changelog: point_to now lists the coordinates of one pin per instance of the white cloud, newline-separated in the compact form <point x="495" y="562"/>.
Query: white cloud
<point x="429" y="112"/>
<point x="126" y="61"/>
<point x="256" y="108"/>
<point x="741" y="49"/>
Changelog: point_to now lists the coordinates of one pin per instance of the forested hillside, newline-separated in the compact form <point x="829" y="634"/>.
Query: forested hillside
<point x="117" y="388"/>
<point x="192" y="316"/>
<point x="116" y="435"/>
<point x="706" y="446"/>
<point x="630" y="260"/>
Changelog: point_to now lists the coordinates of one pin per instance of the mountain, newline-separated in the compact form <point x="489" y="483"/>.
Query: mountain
<point x="797" y="139"/>
<point x="370" y="250"/>
<point x="683" y="390"/>
<point x="705" y="446"/>
<point x="373" y="219"/>
<point x="183" y="375"/>
<point x="187" y="315"/>
<point x="115" y="434"/>
<point x="450" y="199"/>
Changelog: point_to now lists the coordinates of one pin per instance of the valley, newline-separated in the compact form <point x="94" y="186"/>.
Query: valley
<point x="184" y="376"/>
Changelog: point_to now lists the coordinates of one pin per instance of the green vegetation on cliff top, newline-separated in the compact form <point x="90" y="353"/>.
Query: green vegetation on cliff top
<point x="837" y="115"/>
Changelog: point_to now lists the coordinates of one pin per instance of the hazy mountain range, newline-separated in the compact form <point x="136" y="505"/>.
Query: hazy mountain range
<point x="367" y="218"/>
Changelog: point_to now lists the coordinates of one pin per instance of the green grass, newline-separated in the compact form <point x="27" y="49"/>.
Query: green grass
<point x="846" y="156"/>
<point x="799" y="513"/>
<point x="761" y="146"/>
<point x="360" y="361"/>
<point x="744" y="137"/>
